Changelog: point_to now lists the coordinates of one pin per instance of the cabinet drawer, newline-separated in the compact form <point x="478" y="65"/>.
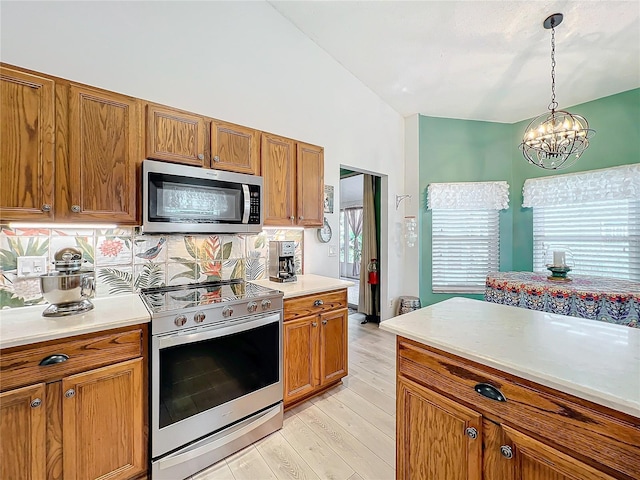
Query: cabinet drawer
<point x="584" y="430"/>
<point x="21" y="365"/>
<point x="316" y="303"/>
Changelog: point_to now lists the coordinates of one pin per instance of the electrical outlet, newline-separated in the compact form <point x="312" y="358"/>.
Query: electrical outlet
<point x="31" y="266"/>
<point x="391" y="303"/>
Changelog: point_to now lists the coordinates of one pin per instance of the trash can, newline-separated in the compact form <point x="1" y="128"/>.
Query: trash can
<point x="408" y="304"/>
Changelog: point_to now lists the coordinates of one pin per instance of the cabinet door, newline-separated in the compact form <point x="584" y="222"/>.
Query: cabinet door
<point x="431" y="436"/>
<point x="104" y="155"/>
<point x="27" y="146"/>
<point x="278" y="160"/>
<point x="23" y="433"/>
<point x="333" y="346"/>
<point x="534" y="460"/>
<point x="103" y="424"/>
<point x="300" y="354"/>
<point x="310" y="165"/>
<point x="235" y="148"/>
<point x="175" y="136"/>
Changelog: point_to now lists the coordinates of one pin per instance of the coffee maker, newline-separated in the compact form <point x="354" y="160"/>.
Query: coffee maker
<point x="282" y="264"/>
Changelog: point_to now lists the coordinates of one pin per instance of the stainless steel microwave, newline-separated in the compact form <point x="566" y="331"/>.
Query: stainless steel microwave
<point x="183" y="199"/>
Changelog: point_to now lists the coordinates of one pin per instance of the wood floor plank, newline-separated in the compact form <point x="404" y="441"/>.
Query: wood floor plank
<point x="367" y="410"/>
<point x="248" y="464"/>
<point x="373" y="438"/>
<point x="371" y="394"/>
<point x="218" y="471"/>
<point x="325" y="462"/>
<point x="355" y="453"/>
<point x="283" y="459"/>
<point x="371" y="363"/>
<point x="383" y="383"/>
<point x="355" y="476"/>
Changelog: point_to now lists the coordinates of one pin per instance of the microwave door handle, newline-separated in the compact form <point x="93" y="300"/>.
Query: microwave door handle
<point x="247" y="203"/>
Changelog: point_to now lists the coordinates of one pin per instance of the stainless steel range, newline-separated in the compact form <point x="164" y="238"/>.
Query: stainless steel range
<point x="216" y="372"/>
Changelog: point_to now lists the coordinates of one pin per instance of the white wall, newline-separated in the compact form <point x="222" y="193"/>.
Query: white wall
<point x="238" y="61"/>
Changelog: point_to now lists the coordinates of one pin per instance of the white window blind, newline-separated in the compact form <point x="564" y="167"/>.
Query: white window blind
<point x="465" y="248"/>
<point x="603" y="237"/>
<point x="465" y="242"/>
<point x="595" y="215"/>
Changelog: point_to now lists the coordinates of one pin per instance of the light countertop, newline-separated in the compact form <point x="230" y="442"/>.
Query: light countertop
<point x="305" y="285"/>
<point x="589" y="359"/>
<point x="21" y="326"/>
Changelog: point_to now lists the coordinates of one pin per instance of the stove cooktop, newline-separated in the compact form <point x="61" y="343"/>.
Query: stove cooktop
<point x="175" y="298"/>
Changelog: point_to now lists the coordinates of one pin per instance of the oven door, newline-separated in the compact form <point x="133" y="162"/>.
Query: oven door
<point x="207" y="378"/>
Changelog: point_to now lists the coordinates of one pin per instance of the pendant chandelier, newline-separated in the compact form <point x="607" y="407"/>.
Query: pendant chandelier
<point x="555" y="139"/>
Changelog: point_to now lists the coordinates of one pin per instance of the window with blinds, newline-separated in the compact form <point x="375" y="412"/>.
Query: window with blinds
<point x="603" y="236"/>
<point x="465" y="248"/>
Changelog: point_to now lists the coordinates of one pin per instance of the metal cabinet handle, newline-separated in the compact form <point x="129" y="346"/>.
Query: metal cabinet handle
<point x="46" y="207"/>
<point x="75" y="208"/>
<point x="69" y="393"/>
<point x="300" y="217"/>
<point x="216" y="158"/>
<point x="292" y="218"/>
<point x="314" y="324"/>
<point x="36" y="403"/>
<point x="318" y="303"/>
<point x="471" y="432"/>
<point x="490" y="391"/>
<point x="506" y="452"/>
<point x="53" y="359"/>
<point x="200" y="156"/>
<point x="324" y="322"/>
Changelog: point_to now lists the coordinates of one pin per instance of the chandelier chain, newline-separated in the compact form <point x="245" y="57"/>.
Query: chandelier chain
<point x="553" y="105"/>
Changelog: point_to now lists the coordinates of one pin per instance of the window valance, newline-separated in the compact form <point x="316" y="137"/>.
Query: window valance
<point x="615" y="183"/>
<point x="468" y="196"/>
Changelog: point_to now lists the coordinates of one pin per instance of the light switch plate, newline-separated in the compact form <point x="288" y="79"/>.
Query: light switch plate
<point x="333" y="250"/>
<point x="31" y="266"/>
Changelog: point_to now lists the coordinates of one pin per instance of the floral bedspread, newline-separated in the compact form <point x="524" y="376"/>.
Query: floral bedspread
<point x="597" y="298"/>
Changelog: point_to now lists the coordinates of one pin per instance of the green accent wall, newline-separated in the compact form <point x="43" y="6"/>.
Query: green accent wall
<point x="453" y="150"/>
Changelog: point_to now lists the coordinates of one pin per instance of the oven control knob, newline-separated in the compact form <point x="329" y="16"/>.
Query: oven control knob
<point x="266" y="304"/>
<point x="180" y="320"/>
<point x="252" y="307"/>
<point x="227" y="312"/>
<point x="199" y="317"/>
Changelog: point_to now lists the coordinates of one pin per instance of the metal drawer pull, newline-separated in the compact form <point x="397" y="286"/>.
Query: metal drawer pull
<point x="506" y="452"/>
<point x="36" y="403"/>
<point x="324" y="322"/>
<point x="318" y="303"/>
<point x="471" y="432"/>
<point x="53" y="359"/>
<point x="490" y="391"/>
<point x="70" y="393"/>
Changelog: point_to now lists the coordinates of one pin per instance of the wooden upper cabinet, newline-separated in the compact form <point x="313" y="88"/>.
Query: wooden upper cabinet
<point x="278" y="159"/>
<point x="433" y="443"/>
<point x="333" y="346"/>
<point x="27" y="118"/>
<point x="23" y="432"/>
<point x="103" y="423"/>
<point x="235" y="148"/>
<point x="175" y="136"/>
<point x="98" y="182"/>
<point x="310" y="172"/>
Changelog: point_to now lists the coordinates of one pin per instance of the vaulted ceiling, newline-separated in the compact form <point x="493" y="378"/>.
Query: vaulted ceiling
<point x="480" y="60"/>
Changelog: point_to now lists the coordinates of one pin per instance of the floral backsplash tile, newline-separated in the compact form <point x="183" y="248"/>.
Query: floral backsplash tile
<point x="125" y="261"/>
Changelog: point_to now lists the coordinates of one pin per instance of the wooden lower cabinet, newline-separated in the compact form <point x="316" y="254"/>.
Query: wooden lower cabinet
<point x="446" y="430"/>
<point x="82" y="426"/>
<point x="22" y="433"/>
<point x="314" y="345"/>
<point x="434" y="443"/>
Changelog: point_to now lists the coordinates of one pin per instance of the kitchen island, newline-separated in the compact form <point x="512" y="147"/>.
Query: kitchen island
<point x="493" y="391"/>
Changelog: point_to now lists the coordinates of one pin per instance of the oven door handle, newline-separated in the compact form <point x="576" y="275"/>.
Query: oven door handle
<point x="207" y="333"/>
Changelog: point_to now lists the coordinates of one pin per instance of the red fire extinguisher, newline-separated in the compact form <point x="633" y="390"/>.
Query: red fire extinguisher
<point x="373" y="271"/>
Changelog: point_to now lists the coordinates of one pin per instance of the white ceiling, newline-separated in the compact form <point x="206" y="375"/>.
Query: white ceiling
<point x="476" y="59"/>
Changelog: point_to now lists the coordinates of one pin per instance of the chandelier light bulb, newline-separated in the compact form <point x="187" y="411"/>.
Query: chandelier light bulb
<point x="555" y="139"/>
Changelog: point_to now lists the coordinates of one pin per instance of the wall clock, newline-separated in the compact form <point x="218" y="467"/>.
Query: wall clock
<point x="324" y="233"/>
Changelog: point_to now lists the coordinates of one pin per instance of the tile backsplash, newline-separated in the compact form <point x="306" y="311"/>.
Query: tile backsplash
<point x="125" y="261"/>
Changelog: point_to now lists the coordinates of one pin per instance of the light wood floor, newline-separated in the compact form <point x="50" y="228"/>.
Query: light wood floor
<point x="346" y="434"/>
